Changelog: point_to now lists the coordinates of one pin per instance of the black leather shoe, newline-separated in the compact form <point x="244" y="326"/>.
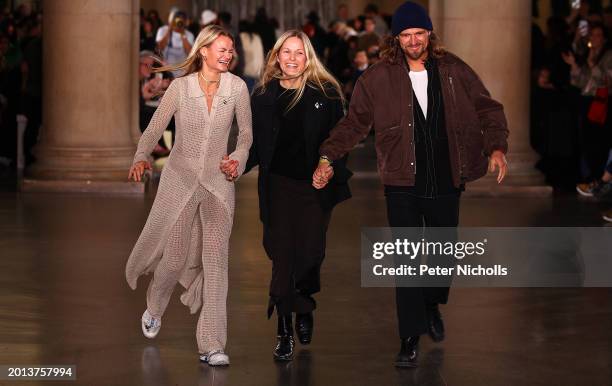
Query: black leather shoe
<point x="284" y="339"/>
<point x="409" y="350"/>
<point x="435" y="325"/>
<point x="303" y="326"/>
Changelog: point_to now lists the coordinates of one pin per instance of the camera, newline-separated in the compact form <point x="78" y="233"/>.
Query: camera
<point x="179" y="22"/>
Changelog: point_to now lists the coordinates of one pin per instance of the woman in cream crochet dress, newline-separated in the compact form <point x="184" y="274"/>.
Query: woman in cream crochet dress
<point x="186" y="236"/>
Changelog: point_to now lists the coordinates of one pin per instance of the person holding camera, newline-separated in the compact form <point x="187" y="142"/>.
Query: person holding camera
<point x="174" y="41"/>
<point x="186" y="237"/>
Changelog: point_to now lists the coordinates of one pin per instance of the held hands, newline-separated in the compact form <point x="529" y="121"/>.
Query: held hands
<point x="137" y="170"/>
<point x="322" y="174"/>
<point x="498" y="160"/>
<point x="229" y="167"/>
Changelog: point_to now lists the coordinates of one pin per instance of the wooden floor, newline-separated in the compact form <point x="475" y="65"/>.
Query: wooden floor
<point x="64" y="300"/>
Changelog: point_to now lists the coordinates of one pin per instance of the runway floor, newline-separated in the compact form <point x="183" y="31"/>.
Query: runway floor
<point x="64" y="300"/>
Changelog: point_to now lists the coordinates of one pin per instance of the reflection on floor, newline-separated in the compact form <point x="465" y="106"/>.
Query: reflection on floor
<point x="64" y="300"/>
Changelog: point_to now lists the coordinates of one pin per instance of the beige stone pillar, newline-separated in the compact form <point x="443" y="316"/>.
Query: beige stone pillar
<point x="436" y="13"/>
<point x="135" y="73"/>
<point x="88" y="92"/>
<point x="494" y="37"/>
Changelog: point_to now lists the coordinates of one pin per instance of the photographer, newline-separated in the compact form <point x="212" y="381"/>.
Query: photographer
<point x="173" y="40"/>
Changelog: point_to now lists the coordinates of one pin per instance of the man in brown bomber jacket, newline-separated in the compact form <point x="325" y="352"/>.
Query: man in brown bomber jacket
<point x="436" y="128"/>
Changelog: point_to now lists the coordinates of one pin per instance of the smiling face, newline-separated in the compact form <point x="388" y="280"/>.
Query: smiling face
<point x="414" y="42"/>
<point x="292" y="57"/>
<point x="219" y="54"/>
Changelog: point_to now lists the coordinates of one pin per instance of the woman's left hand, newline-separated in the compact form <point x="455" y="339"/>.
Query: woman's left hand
<point x="229" y="167"/>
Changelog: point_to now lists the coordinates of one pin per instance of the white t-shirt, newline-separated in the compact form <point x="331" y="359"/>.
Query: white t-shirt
<point x="174" y="52"/>
<point x="419" y="85"/>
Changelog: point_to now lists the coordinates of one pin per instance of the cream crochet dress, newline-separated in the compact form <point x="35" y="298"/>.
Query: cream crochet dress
<point x="201" y="142"/>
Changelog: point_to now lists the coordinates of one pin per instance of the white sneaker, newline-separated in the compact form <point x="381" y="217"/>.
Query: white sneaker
<point x="215" y="358"/>
<point x="150" y="325"/>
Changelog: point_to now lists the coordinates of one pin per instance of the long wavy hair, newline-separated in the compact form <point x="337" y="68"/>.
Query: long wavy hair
<point x="392" y="52"/>
<point x="194" y="61"/>
<point x="315" y="74"/>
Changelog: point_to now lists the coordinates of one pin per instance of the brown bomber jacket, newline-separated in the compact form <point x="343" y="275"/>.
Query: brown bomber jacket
<point x="382" y="99"/>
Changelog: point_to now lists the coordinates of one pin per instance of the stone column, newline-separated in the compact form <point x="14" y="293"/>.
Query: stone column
<point x="494" y="38"/>
<point x="135" y="73"/>
<point x="436" y="13"/>
<point x="88" y="87"/>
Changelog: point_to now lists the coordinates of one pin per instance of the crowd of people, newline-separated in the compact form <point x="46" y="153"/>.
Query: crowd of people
<point x="570" y="113"/>
<point x="346" y="46"/>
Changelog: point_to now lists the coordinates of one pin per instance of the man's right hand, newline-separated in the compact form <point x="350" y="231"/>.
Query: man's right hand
<point x="137" y="170"/>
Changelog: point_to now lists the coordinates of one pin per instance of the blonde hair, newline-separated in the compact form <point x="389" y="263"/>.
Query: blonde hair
<point x="193" y="62"/>
<point x="315" y="74"/>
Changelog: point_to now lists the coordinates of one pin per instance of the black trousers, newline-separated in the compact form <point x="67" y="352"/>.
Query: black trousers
<point x="294" y="239"/>
<point x="406" y="210"/>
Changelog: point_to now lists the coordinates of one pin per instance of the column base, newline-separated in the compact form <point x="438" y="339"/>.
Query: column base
<point x="89" y="164"/>
<point x="81" y="170"/>
<point x="522" y="180"/>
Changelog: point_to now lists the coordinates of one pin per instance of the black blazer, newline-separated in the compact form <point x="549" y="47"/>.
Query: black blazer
<point x="322" y="115"/>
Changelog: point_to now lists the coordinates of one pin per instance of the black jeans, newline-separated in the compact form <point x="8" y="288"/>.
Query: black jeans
<point x="294" y="239"/>
<point x="406" y="210"/>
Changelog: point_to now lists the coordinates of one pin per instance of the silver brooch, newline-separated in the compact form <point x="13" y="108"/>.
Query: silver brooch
<point x="317" y="105"/>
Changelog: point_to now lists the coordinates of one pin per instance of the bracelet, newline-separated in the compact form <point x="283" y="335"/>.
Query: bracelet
<point x="325" y="159"/>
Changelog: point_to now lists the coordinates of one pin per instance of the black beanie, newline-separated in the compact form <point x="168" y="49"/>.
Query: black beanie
<point x="410" y="15"/>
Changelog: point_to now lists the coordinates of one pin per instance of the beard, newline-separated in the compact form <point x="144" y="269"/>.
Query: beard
<point x="415" y="53"/>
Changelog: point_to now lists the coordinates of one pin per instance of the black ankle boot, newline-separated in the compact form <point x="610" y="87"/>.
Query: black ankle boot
<point x="284" y="339"/>
<point x="409" y="349"/>
<point x="435" y="325"/>
<point x="303" y="326"/>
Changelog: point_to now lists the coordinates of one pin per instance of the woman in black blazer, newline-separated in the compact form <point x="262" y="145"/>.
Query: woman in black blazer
<point x="294" y="107"/>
